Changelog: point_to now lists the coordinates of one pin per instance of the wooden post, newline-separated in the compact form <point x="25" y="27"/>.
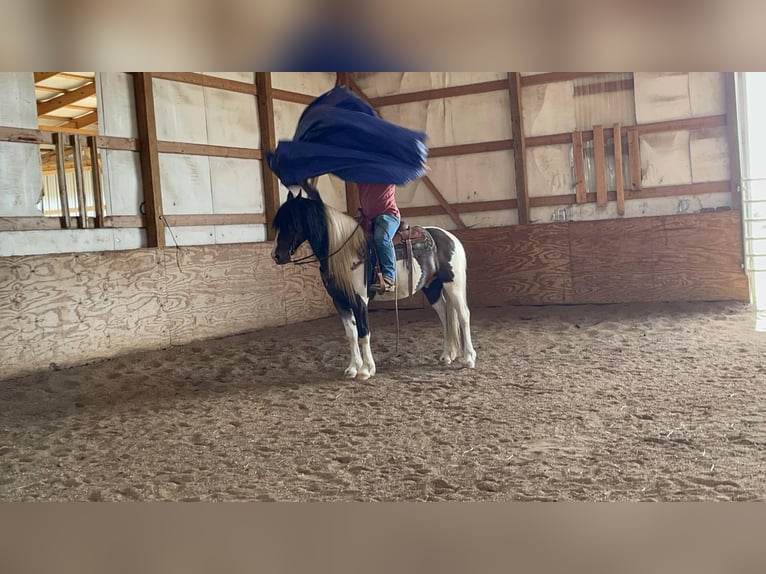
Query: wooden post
<point x="150" y="159"/>
<point x="619" y="185"/>
<point x="579" y="168"/>
<point x="599" y="165"/>
<point x="732" y="137"/>
<point x="82" y="201"/>
<point x="519" y="147"/>
<point x="634" y="157"/>
<point x="268" y="144"/>
<point x="59" y="140"/>
<point x="98" y="194"/>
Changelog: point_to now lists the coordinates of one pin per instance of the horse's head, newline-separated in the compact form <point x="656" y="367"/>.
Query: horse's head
<point x="295" y="222"/>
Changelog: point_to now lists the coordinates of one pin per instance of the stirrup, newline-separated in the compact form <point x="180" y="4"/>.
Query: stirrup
<point x="388" y="285"/>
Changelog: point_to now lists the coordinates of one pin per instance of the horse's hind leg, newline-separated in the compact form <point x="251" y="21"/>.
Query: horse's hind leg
<point x="349" y="324"/>
<point x="457" y="301"/>
<point x="448" y="318"/>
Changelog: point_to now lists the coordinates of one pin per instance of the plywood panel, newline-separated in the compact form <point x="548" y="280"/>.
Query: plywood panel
<point x="286" y="116"/>
<point x="709" y="155"/>
<point x="665" y="159"/>
<point x="706" y="93"/>
<point x="116" y="105"/>
<point x="475" y="177"/>
<point x="676" y="258"/>
<point x="219" y="290"/>
<point x="245" y="233"/>
<point x="519" y="265"/>
<point x="68" y="308"/>
<point x="123" y="188"/>
<point x="185" y="181"/>
<point x="661" y="96"/>
<point x="305" y="296"/>
<point x="237" y="185"/>
<point x="232" y="119"/>
<point x="180" y="112"/>
<point x="312" y="83"/>
<point x="18" y="103"/>
<point x="20" y="179"/>
<point x="549" y="170"/>
<point x="457" y="120"/>
<point x="548" y="109"/>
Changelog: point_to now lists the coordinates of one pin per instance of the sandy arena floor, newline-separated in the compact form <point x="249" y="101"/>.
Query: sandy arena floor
<point x="649" y="402"/>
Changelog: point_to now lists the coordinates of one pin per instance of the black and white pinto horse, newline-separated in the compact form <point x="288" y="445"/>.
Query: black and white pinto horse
<point x="340" y="246"/>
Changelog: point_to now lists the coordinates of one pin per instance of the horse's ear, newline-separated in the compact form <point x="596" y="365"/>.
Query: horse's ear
<point x="311" y="191"/>
<point x="290" y="195"/>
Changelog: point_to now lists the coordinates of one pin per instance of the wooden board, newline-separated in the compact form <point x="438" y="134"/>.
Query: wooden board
<point x="674" y="258"/>
<point x="579" y="168"/>
<point x="72" y="308"/>
<point x="522" y="265"/>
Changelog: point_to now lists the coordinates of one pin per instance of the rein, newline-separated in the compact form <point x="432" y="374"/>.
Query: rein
<point x="304" y="260"/>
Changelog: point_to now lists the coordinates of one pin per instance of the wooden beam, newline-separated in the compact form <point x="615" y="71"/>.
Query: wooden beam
<point x="646" y="193"/>
<point x="443" y="202"/>
<point x="98" y="194"/>
<point x="519" y="147"/>
<point x="465" y="149"/>
<point x="438" y="93"/>
<point x="468" y="207"/>
<point x="553" y="77"/>
<point x="208" y="150"/>
<point x="82" y="121"/>
<point x="579" y="168"/>
<point x="42" y="76"/>
<point x="150" y="162"/>
<point x="634" y="159"/>
<point x="115" y="142"/>
<point x="29" y="223"/>
<point x="60" y="141"/>
<point x="22" y="135"/>
<point x="732" y="138"/>
<point x="268" y="144"/>
<point x="79" y="182"/>
<point x="599" y="165"/>
<point x="618" y="175"/>
<point x="68" y="98"/>
<point x="197" y="79"/>
<point x="215" y="219"/>
<point x="604" y="87"/>
<point x="64" y="130"/>
<point x="704" y="122"/>
<point x="295" y="97"/>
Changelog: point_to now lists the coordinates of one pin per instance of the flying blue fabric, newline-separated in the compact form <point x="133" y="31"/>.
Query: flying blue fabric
<point x="339" y="133"/>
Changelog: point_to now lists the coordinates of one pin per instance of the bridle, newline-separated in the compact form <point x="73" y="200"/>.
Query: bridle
<point x="305" y="260"/>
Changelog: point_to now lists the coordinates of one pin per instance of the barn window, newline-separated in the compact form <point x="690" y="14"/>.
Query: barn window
<point x="67" y="105"/>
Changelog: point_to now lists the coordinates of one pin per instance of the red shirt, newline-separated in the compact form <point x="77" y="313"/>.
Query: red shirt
<point x="378" y="199"/>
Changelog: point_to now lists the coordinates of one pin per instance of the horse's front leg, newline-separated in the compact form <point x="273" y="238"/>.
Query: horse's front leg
<point x="363" y="332"/>
<point x="355" y="361"/>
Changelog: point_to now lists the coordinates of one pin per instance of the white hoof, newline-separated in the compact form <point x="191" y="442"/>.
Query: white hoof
<point x="350" y="373"/>
<point x="363" y="375"/>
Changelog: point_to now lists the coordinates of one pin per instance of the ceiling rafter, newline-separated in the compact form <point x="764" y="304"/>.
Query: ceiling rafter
<point x="67" y="98"/>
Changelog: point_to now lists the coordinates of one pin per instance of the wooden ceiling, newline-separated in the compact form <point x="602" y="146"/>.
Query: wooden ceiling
<point x="66" y="101"/>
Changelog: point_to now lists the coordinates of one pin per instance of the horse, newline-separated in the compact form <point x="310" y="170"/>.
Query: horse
<point x="344" y="251"/>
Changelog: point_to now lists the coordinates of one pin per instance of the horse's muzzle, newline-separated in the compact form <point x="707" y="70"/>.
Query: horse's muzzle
<point x="280" y="259"/>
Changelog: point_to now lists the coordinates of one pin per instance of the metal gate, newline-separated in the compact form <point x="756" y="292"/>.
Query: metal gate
<point x="754" y="233"/>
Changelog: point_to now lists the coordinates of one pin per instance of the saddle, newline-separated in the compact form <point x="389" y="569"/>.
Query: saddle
<point x="410" y="243"/>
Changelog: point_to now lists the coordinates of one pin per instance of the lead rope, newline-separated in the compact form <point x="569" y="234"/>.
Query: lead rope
<point x="396" y="309"/>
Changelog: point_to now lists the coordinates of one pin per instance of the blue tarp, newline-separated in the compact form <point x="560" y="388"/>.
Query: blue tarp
<point x="339" y="133"/>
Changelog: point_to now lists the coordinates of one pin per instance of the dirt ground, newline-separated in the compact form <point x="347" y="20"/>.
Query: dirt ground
<point x="642" y="402"/>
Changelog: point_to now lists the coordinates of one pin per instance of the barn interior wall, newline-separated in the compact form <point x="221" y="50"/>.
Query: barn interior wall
<point x="71" y="308"/>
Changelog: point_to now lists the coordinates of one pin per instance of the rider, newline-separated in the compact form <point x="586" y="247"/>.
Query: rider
<point x="378" y="206"/>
